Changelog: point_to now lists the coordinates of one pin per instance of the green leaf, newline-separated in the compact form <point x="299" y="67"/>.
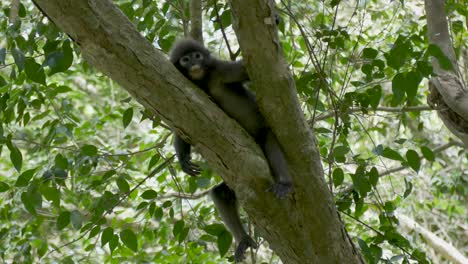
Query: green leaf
<point x="24" y="178"/>
<point x="127" y="117"/>
<point x="226" y="18"/>
<point x="365" y="250"/>
<point x="369" y="53"/>
<point x="34" y="71"/>
<point x="408" y="188"/>
<point x="154" y="159"/>
<point x="150" y="194"/>
<point x="427" y="153"/>
<point x="443" y="60"/>
<point x="129" y="239"/>
<point x="62" y="89"/>
<point x="392" y="154"/>
<point x="373" y="176"/>
<point x="4" y="187"/>
<point x="113" y="243"/>
<point x="166" y="42"/>
<point x="76" y="219"/>
<point x="338" y="177"/>
<point x="340" y="153"/>
<point x="3" y="82"/>
<point x="375" y="93"/>
<point x="32" y="199"/>
<point x="89" y="150"/>
<point x="399" y="53"/>
<point x="19" y="58"/>
<point x="214" y="229"/>
<point x="61" y="162"/>
<point x="51" y="194"/>
<point x="178" y="226"/>
<point x="2" y="56"/>
<point x="60" y="60"/>
<point x="398" y="88"/>
<point x="360" y="181"/>
<point x="107" y="235"/>
<point x="183" y="234"/>
<point x="224" y="242"/>
<point x="63" y="220"/>
<point x="15" y="155"/>
<point x="94" y="231"/>
<point x="413" y="159"/>
<point x="412" y="80"/>
<point x="123" y="185"/>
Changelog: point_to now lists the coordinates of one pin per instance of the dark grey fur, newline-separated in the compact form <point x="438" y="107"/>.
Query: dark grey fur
<point x="223" y="82"/>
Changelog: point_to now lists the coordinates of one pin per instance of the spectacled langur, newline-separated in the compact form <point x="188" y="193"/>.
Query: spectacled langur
<point x="223" y="82"/>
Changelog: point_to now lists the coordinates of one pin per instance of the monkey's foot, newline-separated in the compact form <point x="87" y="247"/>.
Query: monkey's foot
<point x="281" y="189"/>
<point x="190" y="168"/>
<point x="244" y="244"/>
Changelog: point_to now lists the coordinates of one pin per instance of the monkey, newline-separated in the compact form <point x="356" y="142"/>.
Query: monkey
<point x="224" y="82"/>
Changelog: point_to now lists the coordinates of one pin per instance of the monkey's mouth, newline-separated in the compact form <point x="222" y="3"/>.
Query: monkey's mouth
<point x="196" y="72"/>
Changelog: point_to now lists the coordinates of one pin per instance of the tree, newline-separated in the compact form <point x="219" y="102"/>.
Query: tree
<point x="305" y="228"/>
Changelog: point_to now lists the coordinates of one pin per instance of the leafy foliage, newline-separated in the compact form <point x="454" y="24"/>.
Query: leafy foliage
<point x="83" y="163"/>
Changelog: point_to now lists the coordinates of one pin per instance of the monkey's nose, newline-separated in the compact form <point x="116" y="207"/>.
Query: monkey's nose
<point x="196" y="72"/>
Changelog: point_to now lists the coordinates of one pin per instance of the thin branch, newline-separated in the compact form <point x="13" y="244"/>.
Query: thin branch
<point x="14" y="9"/>
<point x="381" y="109"/>
<point x="439" y="149"/>
<point x="181" y="195"/>
<point x="232" y="55"/>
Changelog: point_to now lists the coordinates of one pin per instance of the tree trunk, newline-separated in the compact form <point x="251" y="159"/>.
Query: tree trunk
<point x="447" y="91"/>
<point x="302" y="229"/>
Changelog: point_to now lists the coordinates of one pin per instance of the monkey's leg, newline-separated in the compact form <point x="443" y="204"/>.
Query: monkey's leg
<point x="226" y="203"/>
<point x="182" y="149"/>
<point x="278" y="165"/>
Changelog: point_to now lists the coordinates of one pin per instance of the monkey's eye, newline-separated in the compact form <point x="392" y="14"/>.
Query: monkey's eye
<point x="198" y="55"/>
<point x="184" y="60"/>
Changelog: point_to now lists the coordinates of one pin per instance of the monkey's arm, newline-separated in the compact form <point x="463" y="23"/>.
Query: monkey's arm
<point x="182" y="149"/>
<point x="232" y="71"/>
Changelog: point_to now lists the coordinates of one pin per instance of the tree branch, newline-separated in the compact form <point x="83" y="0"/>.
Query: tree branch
<point x="382" y="109"/>
<point x="196" y="21"/>
<point x="447" y="91"/>
<point x="310" y="223"/>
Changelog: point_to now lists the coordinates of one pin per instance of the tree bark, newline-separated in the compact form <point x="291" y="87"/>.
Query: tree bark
<point x="302" y="229"/>
<point x="254" y="23"/>
<point x="439" y="245"/>
<point x="196" y="22"/>
<point x="447" y="91"/>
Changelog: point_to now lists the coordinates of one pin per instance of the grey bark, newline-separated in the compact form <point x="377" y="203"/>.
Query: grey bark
<point x="447" y="91"/>
<point x="302" y="229"/>
<point x="323" y="240"/>
<point x="196" y="22"/>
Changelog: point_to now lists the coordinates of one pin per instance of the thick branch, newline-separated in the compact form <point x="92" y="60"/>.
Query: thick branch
<point x="439" y="245"/>
<point x="110" y="42"/>
<point x="302" y="229"/>
<point x="447" y="90"/>
<point x="311" y="231"/>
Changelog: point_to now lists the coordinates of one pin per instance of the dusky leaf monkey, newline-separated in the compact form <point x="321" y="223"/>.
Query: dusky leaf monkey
<point x="224" y="82"/>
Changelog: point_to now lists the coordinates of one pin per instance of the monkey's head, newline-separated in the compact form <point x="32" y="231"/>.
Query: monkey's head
<point x="191" y="58"/>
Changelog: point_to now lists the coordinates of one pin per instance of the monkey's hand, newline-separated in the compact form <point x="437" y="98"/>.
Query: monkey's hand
<point x="189" y="167"/>
<point x="281" y="189"/>
<point x="244" y="244"/>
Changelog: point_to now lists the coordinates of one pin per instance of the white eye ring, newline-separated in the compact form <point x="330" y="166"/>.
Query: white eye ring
<point x="198" y="55"/>
<point x="184" y="60"/>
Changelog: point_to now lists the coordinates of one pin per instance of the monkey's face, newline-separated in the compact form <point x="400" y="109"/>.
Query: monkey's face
<point x="193" y="62"/>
